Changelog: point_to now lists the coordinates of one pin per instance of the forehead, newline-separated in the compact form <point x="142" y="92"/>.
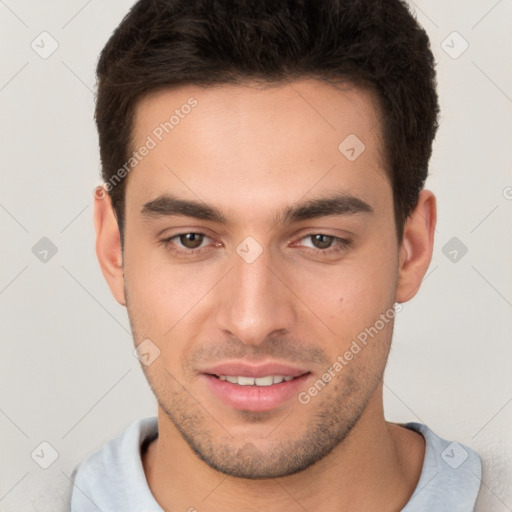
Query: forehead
<point x="305" y="103"/>
<point x="272" y="143"/>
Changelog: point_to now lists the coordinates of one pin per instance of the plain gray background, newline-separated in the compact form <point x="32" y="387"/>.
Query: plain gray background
<point x="68" y="374"/>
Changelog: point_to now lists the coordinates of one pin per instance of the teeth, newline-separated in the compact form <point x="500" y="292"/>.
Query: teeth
<point x="255" y="381"/>
<point x="263" y="381"/>
<point x="245" y="381"/>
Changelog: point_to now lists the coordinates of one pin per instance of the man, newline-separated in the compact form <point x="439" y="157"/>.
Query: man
<point x="263" y="219"/>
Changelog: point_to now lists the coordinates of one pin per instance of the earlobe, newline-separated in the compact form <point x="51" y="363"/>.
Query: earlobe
<point x="108" y="245"/>
<point x="416" y="247"/>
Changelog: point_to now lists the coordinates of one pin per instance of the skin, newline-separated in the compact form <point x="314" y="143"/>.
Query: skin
<point x="251" y="152"/>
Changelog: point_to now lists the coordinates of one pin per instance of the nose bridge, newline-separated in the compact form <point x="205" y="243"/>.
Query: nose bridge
<point x="253" y="302"/>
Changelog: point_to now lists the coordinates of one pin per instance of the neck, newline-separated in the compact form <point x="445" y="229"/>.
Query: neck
<point x="376" y="467"/>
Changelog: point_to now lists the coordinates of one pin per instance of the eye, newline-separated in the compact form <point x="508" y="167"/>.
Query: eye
<point x="192" y="244"/>
<point x="326" y="244"/>
<point x="191" y="240"/>
<point x="185" y="244"/>
<point x="321" y="241"/>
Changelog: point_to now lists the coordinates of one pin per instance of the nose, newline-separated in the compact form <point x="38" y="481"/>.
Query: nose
<point x="254" y="301"/>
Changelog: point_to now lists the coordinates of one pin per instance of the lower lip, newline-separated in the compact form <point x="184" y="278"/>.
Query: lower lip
<point x="255" y="398"/>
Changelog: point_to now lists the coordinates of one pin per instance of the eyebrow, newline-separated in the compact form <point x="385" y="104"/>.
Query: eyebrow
<point x="168" y="205"/>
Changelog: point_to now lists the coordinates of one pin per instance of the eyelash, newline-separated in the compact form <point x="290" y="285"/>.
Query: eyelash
<point x="339" y="245"/>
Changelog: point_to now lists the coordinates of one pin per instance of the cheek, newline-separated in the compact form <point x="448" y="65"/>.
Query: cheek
<point x="158" y="289"/>
<point x="351" y="294"/>
<point x="164" y="301"/>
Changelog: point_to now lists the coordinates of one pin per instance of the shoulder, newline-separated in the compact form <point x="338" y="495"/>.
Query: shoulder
<point x="450" y="477"/>
<point x="113" y="478"/>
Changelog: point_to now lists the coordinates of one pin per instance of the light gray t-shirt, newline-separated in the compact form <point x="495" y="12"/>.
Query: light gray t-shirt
<point x="113" y="479"/>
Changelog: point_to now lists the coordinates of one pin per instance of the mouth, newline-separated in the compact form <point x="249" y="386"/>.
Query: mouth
<point x="268" y="380"/>
<point x="255" y="389"/>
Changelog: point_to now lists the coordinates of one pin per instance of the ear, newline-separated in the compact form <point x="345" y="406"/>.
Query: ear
<point x="416" y="248"/>
<point x="108" y="244"/>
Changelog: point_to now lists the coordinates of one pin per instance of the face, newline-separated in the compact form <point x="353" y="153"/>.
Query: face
<point x="258" y="249"/>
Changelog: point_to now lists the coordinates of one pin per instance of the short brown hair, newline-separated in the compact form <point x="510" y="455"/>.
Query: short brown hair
<point x="161" y="44"/>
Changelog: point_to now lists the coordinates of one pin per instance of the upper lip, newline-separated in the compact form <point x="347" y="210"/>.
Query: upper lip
<point x="244" y="369"/>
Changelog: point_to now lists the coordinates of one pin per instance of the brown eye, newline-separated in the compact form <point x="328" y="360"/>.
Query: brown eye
<point x="322" y="241"/>
<point x="322" y="245"/>
<point x="184" y="245"/>
<point x="191" y="240"/>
